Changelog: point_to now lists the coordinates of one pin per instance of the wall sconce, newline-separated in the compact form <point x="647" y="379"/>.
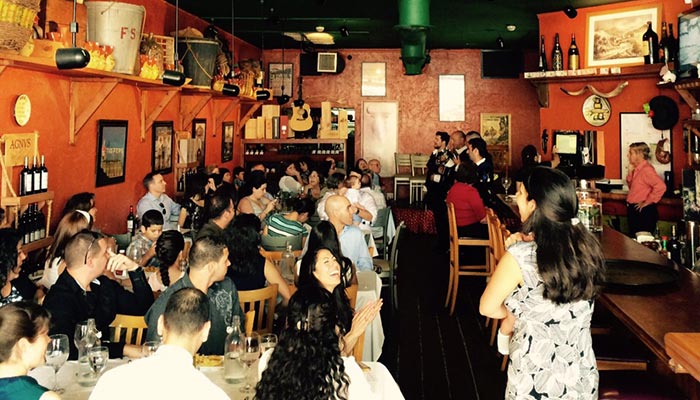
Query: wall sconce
<point x="74" y="57"/>
<point x="570" y="12"/>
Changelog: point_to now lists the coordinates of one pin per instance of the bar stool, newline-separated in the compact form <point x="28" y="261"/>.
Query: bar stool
<point x="419" y="167"/>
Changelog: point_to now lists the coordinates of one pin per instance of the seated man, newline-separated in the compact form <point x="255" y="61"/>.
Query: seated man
<point x="169" y="373"/>
<point x="292" y="223"/>
<point x="142" y="248"/>
<point x="352" y="240"/>
<point x="82" y="292"/>
<point x="219" y="208"/>
<point x="376" y="167"/>
<point x="208" y="264"/>
<point x="156" y="199"/>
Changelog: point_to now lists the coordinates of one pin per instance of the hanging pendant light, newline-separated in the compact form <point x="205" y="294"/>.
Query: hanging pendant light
<point x="175" y="77"/>
<point x="73" y="57"/>
<point x="231" y="89"/>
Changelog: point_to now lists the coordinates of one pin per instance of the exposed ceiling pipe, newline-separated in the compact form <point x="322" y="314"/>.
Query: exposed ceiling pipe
<point x="413" y="27"/>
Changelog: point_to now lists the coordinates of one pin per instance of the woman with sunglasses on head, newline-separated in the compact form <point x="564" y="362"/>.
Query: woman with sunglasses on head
<point x="25" y="328"/>
<point x="544" y="288"/>
<point x="11" y="259"/>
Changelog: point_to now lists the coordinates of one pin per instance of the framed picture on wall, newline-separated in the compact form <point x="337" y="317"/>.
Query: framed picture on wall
<point x="380" y="128"/>
<point x="111" y="152"/>
<point x="227" y="141"/>
<point x="637" y="127"/>
<point x="615" y="38"/>
<point x="451" y="96"/>
<point x="373" y="79"/>
<point x="281" y="75"/>
<point x="162" y="155"/>
<point x="199" y="132"/>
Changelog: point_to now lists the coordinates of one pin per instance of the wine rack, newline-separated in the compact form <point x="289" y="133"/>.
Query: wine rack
<point x="277" y="150"/>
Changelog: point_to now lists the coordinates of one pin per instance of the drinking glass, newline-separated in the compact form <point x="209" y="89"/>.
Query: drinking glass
<point x="81" y="330"/>
<point x="249" y="355"/>
<point x="56" y="355"/>
<point x="506" y="185"/>
<point x="149" y="348"/>
<point x="267" y="341"/>
<point x="98" y="357"/>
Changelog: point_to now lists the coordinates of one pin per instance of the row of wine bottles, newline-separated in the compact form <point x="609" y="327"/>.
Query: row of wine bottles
<point x="573" y="61"/>
<point x="656" y="51"/>
<point x="33" y="180"/>
<point x="32" y="224"/>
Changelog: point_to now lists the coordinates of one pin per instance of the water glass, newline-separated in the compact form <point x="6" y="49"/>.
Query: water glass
<point x="249" y="355"/>
<point x="268" y="341"/>
<point x="98" y="357"/>
<point x="56" y="355"/>
<point x="149" y="348"/>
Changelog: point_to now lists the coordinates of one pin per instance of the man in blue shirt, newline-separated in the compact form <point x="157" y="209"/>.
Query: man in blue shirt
<point x="156" y="199"/>
<point x="352" y="240"/>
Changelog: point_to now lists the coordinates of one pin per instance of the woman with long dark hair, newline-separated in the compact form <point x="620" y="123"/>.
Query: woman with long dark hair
<point x="54" y="264"/>
<point x="11" y="259"/>
<point x="307" y="364"/>
<point x="252" y="198"/>
<point x="169" y="252"/>
<point x="545" y="286"/>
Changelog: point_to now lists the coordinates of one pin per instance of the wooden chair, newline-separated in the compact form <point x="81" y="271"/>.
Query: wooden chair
<point x="351" y="292"/>
<point x="279" y="243"/>
<point x="388" y="267"/>
<point x="263" y="302"/>
<point x="456" y="268"/>
<point x="134" y="327"/>
<point x="419" y="167"/>
<point x="275" y="256"/>
<point x="381" y="223"/>
<point x="249" y="321"/>
<point x="402" y="174"/>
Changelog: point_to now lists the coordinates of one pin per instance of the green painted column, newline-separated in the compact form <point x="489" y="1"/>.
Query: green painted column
<point x="414" y="24"/>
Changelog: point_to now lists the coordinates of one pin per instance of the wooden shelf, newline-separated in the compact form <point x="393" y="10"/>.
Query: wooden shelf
<point x="21" y="201"/>
<point x="294" y="141"/>
<point x="37" y="244"/>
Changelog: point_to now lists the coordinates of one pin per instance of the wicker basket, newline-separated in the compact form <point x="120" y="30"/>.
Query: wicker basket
<point x="168" y="45"/>
<point x="16" y="21"/>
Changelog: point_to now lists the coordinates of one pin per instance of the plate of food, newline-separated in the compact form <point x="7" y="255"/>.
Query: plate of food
<point x="210" y="361"/>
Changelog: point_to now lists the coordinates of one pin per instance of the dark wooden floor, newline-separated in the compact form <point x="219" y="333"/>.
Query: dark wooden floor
<point x="433" y="355"/>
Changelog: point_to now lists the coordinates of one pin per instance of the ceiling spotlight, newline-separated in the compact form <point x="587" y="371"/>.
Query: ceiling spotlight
<point x="511" y="28"/>
<point x="344" y="31"/>
<point x="570" y="12"/>
<point x="320" y="28"/>
<point x="499" y="42"/>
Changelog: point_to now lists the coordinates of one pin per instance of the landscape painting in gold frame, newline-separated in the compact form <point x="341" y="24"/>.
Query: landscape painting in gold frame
<point x="614" y="38"/>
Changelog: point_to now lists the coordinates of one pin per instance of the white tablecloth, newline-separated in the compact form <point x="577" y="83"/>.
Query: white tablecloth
<point x="370" y="288"/>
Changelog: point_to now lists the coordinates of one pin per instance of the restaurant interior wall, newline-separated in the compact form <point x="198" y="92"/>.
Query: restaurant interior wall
<point x="418" y="95"/>
<point x="564" y="112"/>
<point x="72" y="167"/>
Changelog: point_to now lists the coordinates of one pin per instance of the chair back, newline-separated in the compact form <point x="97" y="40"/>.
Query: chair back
<point x="419" y="164"/>
<point x="394" y="252"/>
<point x="249" y="322"/>
<point x="351" y="292"/>
<point x="263" y="302"/>
<point x="496" y="240"/>
<point x="402" y="163"/>
<point x="279" y="243"/>
<point x="134" y="327"/>
<point x="122" y="240"/>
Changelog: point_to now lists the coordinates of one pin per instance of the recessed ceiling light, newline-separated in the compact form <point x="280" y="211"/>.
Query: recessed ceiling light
<point x="511" y="27"/>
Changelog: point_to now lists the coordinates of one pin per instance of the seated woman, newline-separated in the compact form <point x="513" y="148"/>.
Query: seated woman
<point x="70" y="224"/>
<point x="470" y="212"/>
<point x="314" y="190"/>
<point x="321" y="269"/>
<point x="305" y="165"/>
<point x="11" y="259"/>
<point x="25" y="335"/>
<point x="84" y="201"/>
<point x="252" y="196"/>
<point x="307" y="361"/>
<point x="325" y="235"/>
<point x="192" y="211"/>
<point x="291" y="181"/>
<point x="292" y="223"/>
<point x="169" y="252"/>
<point x="250" y="270"/>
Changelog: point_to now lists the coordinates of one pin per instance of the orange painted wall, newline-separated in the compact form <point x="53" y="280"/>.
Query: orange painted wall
<point x="418" y="95"/>
<point x="564" y="111"/>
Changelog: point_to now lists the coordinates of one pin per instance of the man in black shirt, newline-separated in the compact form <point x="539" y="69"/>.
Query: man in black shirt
<point x="438" y="182"/>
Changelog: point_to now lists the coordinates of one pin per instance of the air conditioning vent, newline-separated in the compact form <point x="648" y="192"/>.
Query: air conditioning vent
<point x="327" y="62"/>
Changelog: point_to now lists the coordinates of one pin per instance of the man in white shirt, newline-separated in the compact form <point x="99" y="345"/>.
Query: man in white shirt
<point x="169" y="373"/>
<point x="156" y="199"/>
<point x="352" y="240"/>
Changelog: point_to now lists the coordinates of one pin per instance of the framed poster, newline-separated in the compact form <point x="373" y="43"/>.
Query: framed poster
<point x="380" y="129"/>
<point x="111" y="152"/>
<point x="636" y="127"/>
<point x="281" y="75"/>
<point x="451" y="95"/>
<point x="373" y="79"/>
<point x="162" y="156"/>
<point x="199" y="132"/>
<point x="227" y="141"/>
<point x="495" y="128"/>
<point x="615" y="38"/>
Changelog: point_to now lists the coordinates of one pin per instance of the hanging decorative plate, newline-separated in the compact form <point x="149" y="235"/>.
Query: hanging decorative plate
<point x="23" y="109"/>
<point x="596" y="110"/>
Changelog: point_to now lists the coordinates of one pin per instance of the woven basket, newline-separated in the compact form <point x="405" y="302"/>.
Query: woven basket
<point x="16" y="21"/>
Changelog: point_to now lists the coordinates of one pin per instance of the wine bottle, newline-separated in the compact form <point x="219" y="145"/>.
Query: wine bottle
<point x="557" y="55"/>
<point x="181" y="183"/>
<point x="44" y="176"/>
<point x="25" y="177"/>
<point x="31" y="224"/>
<point x="650" y="48"/>
<point x="130" y="220"/>
<point x="663" y="43"/>
<point x="543" y="56"/>
<point x="36" y="177"/>
<point x="674" y="246"/>
<point x="573" y="54"/>
<point x="41" y="223"/>
<point x="25" y="227"/>
<point x="672" y="46"/>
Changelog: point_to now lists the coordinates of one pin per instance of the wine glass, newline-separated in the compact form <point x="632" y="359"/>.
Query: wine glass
<point x="267" y="341"/>
<point x="250" y="354"/>
<point x="506" y="185"/>
<point x="149" y="348"/>
<point x="81" y="330"/>
<point x="98" y="357"/>
<point x="56" y="355"/>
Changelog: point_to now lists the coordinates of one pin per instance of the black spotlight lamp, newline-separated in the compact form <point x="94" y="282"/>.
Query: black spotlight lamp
<point x="262" y="94"/>
<point x="74" y="57"/>
<point x="500" y="43"/>
<point x="175" y="77"/>
<point x="231" y="90"/>
<point x="570" y="12"/>
<point x="344" y="32"/>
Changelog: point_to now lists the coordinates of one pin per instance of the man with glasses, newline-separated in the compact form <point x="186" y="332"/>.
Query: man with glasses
<point x="156" y="199"/>
<point x="82" y="291"/>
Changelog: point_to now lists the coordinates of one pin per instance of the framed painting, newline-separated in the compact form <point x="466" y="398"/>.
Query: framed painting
<point x="111" y="152"/>
<point x="227" y="141"/>
<point x="451" y="96"/>
<point x="281" y="75"/>
<point x="636" y="127"/>
<point x="615" y="38"/>
<point x="162" y="156"/>
<point x="199" y="132"/>
<point x="495" y="129"/>
<point x="380" y="129"/>
<point x="373" y="79"/>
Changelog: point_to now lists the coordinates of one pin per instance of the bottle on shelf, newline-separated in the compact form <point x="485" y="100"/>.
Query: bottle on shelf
<point x="542" y="66"/>
<point x="24" y="227"/>
<point x="696" y="112"/>
<point x="663" y="43"/>
<point x="672" y="45"/>
<point x="26" y="186"/>
<point x="36" y="177"/>
<point x="573" y="54"/>
<point x="181" y="183"/>
<point x="650" y="45"/>
<point x="130" y="221"/>
<point x="44" y="175"/>
<point x="41" y="224"/>
<point x="32" y="223"/>
<point x="557" y="55"/>
<point x="234" y="372"/>
<point x="590" y="207"/>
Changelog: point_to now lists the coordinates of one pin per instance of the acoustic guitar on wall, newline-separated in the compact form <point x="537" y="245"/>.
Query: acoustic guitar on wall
<point x="300" y="121"/>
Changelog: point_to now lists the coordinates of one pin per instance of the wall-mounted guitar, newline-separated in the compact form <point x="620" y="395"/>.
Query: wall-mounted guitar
<point x="300" y="120"/>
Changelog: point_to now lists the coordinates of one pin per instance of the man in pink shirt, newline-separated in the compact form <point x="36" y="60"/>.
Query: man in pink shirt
<point x="646" y="189"/>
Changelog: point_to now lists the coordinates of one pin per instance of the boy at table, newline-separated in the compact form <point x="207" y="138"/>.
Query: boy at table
<point x="169" y="373"/>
